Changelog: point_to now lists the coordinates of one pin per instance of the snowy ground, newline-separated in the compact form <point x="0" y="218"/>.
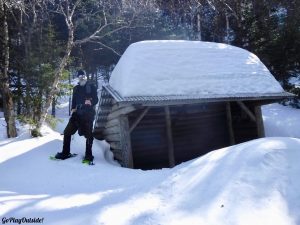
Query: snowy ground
<point x="252" y="183"/>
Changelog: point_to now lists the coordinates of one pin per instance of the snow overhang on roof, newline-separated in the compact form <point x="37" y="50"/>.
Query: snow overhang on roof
<point x="190" y="70"/>
<point x="191" y="99"/>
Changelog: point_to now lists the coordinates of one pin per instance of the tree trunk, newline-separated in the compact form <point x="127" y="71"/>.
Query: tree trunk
<point x="199" y="26"/>
<point x="19" y="93"/>
<point x="8" y="105"/>
<point x="53" y="107"/>
<point x="58" y="73"/>
<point x="227" y="28"/>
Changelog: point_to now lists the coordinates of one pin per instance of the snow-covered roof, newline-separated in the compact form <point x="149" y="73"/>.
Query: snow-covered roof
<point x="190" y="68"/>
<point x="188" y="99"/>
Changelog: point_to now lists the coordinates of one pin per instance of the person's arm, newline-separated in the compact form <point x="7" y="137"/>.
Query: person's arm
<point x="92" y="100"/>
<point x="94" y="96"/>
<point x="73" y="106"/>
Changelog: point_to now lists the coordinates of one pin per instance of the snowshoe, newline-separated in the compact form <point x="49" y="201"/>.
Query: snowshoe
<point x="61" y="156"/>
<point x="89" y="160"/>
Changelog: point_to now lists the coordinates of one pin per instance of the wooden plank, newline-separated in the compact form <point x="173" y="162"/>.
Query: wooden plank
<point x="229" y="123"/>
<point x="121" y="111"/>
<point x="259" y="122"/>
<point x="245" y="108"/>
<point x="112" y="130"/>
<point x="136" y="122"/>
<point x="116" y="107"/>
<point x="169" y="137"/>
<point x="98" y="135"/>
<point x="149" y="126"/>
<point x="112" y="123"/>
<point x="117" y="154"/>
<point x="112" y="137"/>
<point x="115" y="145"/>
<point x="125" y="141"/>
<point x="104" y="109"/>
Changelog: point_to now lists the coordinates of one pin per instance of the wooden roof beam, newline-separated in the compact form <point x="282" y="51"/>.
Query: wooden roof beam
<point x="245" y="108"/>
<point x="136" y="122"/>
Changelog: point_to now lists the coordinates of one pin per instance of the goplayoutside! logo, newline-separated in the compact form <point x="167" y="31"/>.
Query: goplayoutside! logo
<point x="22" y="220"/>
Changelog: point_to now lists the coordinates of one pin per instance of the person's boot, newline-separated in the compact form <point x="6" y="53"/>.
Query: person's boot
<point x="62" y="156"/>
<point x="88" y="149"/>
<point x="66" y="149"/>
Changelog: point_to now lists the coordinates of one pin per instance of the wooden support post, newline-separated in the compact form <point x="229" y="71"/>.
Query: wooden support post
<point x="169" y="137"/>
<point x="229" y="123"/>
<point x="136" y="122"/>
<point x="125" y="141"/>
<point x="245" y="108"/>
<point x="259" y="122"/>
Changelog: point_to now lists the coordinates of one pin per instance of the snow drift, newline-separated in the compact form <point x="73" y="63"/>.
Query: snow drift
<point x="256" y="182"/>
<point x="156" y="68"/>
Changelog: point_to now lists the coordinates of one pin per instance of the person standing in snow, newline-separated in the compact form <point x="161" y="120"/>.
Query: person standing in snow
<point x="84" y="100"/>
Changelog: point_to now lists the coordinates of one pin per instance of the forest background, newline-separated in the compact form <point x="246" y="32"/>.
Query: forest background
<point x="43" y="42"/>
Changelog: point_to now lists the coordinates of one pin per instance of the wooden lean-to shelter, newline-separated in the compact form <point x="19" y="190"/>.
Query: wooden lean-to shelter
<point x="171" y="101"/>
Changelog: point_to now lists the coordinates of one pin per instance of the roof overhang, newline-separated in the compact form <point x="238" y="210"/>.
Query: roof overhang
<point x="194" y="99"/>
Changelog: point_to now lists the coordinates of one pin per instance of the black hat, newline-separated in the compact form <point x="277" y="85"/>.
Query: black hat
<point x="80" y="72"/>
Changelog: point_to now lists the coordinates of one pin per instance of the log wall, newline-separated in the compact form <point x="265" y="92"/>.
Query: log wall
<point x="195" y="130"/>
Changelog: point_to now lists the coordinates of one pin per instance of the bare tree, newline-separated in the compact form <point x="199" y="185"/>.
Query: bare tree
<point x="112" y="16"/>
<point x="8" y="104"/>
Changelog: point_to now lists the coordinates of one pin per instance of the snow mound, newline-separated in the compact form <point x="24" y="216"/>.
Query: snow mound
<point x="159" y="68"/>
<point x="256" y="182"/>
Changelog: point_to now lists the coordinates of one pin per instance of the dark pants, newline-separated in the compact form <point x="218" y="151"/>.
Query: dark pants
<point x="84" y="127"/>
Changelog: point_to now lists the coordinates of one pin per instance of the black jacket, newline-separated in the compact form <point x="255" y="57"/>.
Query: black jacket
<point x="82" y="93"/>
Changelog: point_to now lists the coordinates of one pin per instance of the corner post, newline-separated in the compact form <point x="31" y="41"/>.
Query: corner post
<point x="126" y="141"/>
<point x="259" y="122"/>
<point x="229" y="123"/>
<point x="169" y="137"/>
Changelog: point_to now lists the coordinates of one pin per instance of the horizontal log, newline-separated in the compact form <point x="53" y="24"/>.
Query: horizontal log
<point x="105" y="94"/>
<point x="100" y="123"/>
<point x="121" y="111"/>
<point x="111" y="123"/>
<point x="149" y="134"/>
<point x="116" y="107"/>
<point x="153" y="126"/>
<point x="118" y="155"/>
<point x="98" y="135"/>
<point x="115" y="145"/>
<point x="112" y="137"/>
<point x="104" y="109"/>
<point x="105" y="101"/>
<point x="148" y="150"/>
<point x="149" y="119"/>
<point x="112" y="130"/>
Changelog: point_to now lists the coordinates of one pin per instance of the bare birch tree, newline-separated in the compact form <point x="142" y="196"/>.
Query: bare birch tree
<point x="111" y="16"/>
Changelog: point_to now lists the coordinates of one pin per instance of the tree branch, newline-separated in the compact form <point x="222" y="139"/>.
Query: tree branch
<point x="106" y="46"/>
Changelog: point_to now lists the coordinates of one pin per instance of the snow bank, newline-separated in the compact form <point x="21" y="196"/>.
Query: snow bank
<point x="252" y="183"/>
<point x="281" y="121"/>
<point x="155" y="68"/>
